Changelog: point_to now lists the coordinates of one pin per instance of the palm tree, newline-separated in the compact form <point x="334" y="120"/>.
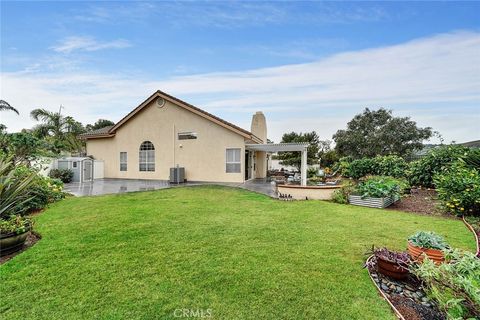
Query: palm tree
<point x="5" y="106"/>
<point x="63" y="131"/>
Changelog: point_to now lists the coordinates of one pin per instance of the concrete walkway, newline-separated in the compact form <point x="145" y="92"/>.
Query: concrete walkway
<point x="113" y="186"/>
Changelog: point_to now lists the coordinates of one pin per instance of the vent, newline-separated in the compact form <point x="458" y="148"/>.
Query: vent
<point x="160" y="102"/>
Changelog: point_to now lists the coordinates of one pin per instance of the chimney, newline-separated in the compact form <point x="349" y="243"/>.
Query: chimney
<point x="259" y="126"/>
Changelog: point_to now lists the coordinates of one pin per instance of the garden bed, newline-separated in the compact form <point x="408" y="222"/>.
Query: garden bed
<point x="406" y="297"/>
<point x="419" y="201"/>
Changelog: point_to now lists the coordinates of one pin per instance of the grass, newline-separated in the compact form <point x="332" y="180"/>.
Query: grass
<point x="230" y="252"/>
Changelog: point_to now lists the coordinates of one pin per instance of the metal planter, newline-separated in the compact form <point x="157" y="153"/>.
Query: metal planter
<point x="371" y="202"/>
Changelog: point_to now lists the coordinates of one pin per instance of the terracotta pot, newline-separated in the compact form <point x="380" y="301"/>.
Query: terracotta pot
<point x="12" y="242"/>
<point x="418" y="254"/>
<point x="391" y="269"/>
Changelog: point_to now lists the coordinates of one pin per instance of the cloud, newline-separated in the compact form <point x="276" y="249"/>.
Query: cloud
<point x="233" y="14"/>
<point x="75" y="43"/>
<point x="435" y="80"/>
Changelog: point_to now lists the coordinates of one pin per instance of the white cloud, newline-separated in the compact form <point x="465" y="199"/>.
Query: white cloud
<point x="70" y="44"/>
<point x="434" y="80"/>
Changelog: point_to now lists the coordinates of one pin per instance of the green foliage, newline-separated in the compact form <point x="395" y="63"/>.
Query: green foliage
<point x="381" y="187"/>
<point x="341" y="195"/>
<point x="295" y="158"/>
<point x="14" y="190"/>
<point x="24" y="146"/>
<point x="459" y="189"/>
<point x="428" y="240"/>
<point x="15" y="224"/>
<point x="454" y="285"/>
<point x="390" y="165"/>
<point x="100" y="123"/>
<point x="65" y="175"/>
<point x="41" y="192"/>
<point x="437" y="160"/>
<point x="373" y="133"/>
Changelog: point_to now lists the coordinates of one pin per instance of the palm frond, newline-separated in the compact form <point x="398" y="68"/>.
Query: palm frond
<point x="5" y="106"/>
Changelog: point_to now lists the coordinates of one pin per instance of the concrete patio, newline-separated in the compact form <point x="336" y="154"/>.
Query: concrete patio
<point x="113" y="186"/>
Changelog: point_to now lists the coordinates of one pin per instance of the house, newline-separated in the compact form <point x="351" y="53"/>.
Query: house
<point x="164" y="132"/>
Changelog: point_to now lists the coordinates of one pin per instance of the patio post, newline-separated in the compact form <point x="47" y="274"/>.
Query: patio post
<point x="303" y="167"/>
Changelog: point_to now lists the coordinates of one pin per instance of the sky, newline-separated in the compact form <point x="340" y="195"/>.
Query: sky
<point x="306" y="65"/>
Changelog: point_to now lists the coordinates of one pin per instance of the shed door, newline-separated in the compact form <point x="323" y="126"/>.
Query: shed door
<point x="76" y="171"/>
<point x="87" y="170"/>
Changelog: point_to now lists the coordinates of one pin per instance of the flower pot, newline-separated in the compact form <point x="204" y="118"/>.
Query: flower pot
<point x="419" y="253"/>
<point x="391" y="269"/>
<point x="12" y="242"/>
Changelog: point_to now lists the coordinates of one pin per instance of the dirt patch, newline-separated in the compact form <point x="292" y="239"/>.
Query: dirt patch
<point x="32" y="238"/>
<point x="419" y="201"/>
<point x="411" y="310"/>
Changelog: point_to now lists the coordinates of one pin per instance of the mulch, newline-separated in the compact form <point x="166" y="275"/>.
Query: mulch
<point x="422" y="201"/>
<point x="32" y="238"/>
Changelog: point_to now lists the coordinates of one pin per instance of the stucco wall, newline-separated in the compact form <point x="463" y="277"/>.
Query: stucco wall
<point x="203" y="158"/>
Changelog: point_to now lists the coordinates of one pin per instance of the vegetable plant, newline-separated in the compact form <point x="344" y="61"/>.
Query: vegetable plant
<point x="381" y="187"/>
<point x="428" y="240"/>
<point x="455" y="285"/>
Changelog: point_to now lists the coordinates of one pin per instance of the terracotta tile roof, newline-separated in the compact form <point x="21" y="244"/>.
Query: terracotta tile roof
<point x="98" y="132"/>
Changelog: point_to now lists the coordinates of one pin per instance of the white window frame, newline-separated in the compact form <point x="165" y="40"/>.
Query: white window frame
<point x="233" y="162"/>
<point x="123" y="162"/>
<point x="149" y="155"/>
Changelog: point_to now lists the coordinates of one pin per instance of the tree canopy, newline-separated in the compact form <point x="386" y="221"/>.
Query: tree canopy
<point x="100" y="123"/>
<point x="378" y="132"/>
<point x="295" y="158"/>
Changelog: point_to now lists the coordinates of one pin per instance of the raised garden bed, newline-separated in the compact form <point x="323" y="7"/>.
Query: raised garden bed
<point x="406" y="297"/>
<point x="371" y="202"/>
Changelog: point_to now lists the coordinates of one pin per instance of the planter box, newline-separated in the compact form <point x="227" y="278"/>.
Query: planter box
<point x="418" y="254"/>
<point x="371" y="202"/>
<point x="12" y="242"/>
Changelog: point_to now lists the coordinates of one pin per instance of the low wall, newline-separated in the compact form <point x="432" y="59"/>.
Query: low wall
<point x="308" y="192"/>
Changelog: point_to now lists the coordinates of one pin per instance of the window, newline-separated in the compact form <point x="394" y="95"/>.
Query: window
<point x="74" y="164"/>
<point x="187" y="135"/>
<point x="146" y="157"/>
<point x="233" y="164"/>
<point x="123" y="161"/>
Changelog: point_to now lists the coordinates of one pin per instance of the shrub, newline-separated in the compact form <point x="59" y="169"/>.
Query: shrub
<point x="42" y="191"/>
<point x="391" y="165"/>
<point x="459" y="189"/>
<point x="421" y="172"/>
<point x="380" y="187"/>
<point x="341" y="195"/>
<point x="454" y="285"/>
<point x="65" y="175"/>
<point x="360" y="168"/>
<point x="428" y="240"/>
<point x="15" y="224"/>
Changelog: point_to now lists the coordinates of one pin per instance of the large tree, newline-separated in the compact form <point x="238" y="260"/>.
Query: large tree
<point x="378" y="132"/>
<point x="100" y="123"/>
<point x="295" y="158"/>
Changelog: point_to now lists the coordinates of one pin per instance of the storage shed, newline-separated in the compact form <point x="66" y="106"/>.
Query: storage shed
<point x="82" y="167"/>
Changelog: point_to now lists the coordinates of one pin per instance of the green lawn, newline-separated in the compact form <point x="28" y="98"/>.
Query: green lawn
<point x="240" y="254"/>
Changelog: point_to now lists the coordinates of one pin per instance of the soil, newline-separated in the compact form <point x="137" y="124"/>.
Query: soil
<point x="411" y="310"/>
<point x="419" y="201"/>
<point x="32" y="238"/>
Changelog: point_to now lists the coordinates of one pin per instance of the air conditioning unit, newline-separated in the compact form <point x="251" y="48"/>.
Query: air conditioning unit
<point x="177" y="175"/>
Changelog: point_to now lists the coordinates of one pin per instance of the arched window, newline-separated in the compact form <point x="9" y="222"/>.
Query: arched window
<point x="146" y="157"/>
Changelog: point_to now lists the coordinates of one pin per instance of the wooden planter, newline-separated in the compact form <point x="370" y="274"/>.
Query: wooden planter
<point x="391" y="269"/>
<point x="12" y="242"/>
<point x="419" y="253"/>
<point x="371" y="202"/>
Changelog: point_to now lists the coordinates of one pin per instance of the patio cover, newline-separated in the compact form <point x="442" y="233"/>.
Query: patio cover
<point x="279" y="147"/>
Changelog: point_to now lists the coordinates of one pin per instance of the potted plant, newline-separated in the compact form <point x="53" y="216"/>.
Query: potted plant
<point x="377" y="192"/>
<point x="427" y="244"/>
<point x="392" y="263"/>
<point x="14" y="193"/>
